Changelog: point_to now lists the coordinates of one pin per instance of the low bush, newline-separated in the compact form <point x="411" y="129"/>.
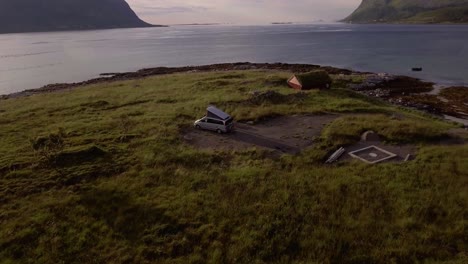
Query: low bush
<point x="315" y="80"/>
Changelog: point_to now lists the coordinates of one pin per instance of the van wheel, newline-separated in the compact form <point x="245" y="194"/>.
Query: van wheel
<point x="219" y="131"/>
<point x="198" y="127"/>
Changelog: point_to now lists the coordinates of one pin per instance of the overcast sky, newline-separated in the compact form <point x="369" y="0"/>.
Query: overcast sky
<point x="241" y="11"/>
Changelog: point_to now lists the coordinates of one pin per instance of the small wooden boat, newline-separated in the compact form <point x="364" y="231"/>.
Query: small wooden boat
<point x="417" y="69"/>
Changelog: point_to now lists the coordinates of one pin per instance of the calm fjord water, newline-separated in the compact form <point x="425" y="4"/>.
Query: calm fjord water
<point x="33" y="60"/>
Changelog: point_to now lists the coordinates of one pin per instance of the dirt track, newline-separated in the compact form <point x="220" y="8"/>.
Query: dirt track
<point x="249" y="137"/>
<point x="288" y="134"/>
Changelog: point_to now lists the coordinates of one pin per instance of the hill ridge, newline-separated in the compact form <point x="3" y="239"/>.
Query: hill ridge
<point x="61" y="15"/>
<point x="410" y="11"/>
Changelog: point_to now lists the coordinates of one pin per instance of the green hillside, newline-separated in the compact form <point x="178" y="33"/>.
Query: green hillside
<point x="103" y="174"/>
<point x="410" y="11"/>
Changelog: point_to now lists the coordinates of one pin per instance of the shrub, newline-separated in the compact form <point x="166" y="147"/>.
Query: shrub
<point x="47" y="147"/>
<point x="315" y="80"/>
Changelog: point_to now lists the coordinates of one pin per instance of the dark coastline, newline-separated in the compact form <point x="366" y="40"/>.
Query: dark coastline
<point x="78" y="29"/>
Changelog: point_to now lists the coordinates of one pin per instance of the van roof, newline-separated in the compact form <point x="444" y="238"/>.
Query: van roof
<point x="218" y="113"/>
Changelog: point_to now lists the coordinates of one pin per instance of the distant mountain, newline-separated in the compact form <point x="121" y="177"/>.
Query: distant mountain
<point x="54" y="15"/>
<point x="410" y="11"/>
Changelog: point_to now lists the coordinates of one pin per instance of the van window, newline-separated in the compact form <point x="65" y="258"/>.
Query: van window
<point x="229" y="121"/>
<point x="213" y="121"/>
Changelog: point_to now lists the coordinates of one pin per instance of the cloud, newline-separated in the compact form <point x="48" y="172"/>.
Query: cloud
<point x="145" y="11"/>
<point x="241" y="11"/>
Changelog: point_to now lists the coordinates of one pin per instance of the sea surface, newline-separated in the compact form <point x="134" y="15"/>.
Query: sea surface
<point x="32" y="60"/>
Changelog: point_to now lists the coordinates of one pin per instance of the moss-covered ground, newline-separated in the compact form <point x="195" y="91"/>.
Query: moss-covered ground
<point x="100" y="174"/>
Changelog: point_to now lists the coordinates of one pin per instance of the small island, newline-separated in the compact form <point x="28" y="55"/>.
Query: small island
<point x="282" y="23"/>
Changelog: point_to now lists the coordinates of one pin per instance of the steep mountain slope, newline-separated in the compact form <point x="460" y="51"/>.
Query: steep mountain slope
<point x="54" y="15"/>
<point x="410" y="11"/>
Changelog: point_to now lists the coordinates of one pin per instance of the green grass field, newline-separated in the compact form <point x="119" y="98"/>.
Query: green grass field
<point x="101" y="174"/>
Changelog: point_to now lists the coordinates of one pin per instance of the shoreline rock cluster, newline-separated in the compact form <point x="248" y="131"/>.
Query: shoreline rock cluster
<point x="414" y="93"/>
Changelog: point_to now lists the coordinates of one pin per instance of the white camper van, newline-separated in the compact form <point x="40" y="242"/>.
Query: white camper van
<point x="215" y="120"/>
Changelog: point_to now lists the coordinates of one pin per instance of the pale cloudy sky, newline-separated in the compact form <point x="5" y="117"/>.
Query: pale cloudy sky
<point x="241" y="11"/>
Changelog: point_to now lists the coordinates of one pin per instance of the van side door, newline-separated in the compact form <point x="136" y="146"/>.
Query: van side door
<point x="203" y="123"/>
<point x="211" y="124"/>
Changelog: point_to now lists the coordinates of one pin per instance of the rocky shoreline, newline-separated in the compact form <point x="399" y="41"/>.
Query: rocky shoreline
<point x="400" y="90"/>
<point x="414" y="93"/>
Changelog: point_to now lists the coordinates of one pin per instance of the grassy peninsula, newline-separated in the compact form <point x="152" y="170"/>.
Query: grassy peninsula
<point x="102" y="174"/>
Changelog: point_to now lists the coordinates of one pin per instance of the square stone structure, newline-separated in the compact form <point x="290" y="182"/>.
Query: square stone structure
<point x="372" y="155"/>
